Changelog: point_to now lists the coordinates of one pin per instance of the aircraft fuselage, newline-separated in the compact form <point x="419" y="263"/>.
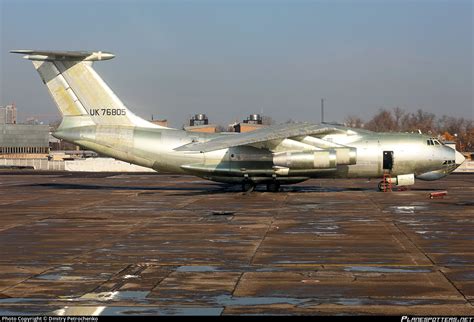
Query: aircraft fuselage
<point x="154" y="148"/>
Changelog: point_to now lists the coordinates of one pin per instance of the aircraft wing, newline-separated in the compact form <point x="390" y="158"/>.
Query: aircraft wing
<point x="275" y="132"/>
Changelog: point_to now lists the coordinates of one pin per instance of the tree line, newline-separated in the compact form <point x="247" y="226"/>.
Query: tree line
<point x="447" y="128"/>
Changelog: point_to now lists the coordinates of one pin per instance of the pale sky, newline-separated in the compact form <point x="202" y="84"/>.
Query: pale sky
<point x="229" y="59"/>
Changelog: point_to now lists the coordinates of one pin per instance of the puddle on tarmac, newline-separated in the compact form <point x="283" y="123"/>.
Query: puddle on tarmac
<point x="20" y="300"/>
<point x="228" y="300"/>
<point x="27" y="312"/>
<point x="407" y="209"/>
<point x="216" y="304"/>
<point x="126" y="277"/>
<point x="270" y="269"/>
<point x="197" y="269"/>
<point x="350" y="302"/>
<point x="296" y="262"/>
<point x="457" y="260"/>
<point x="102" y="296"/>
<point x="371" y="301"/>
<point x="132" y="295"/>
<point x="115" y="296"/>
<point x="376" y="269"/>
<point x="60" y="277"/>
<point x="421" y="232"/>
<point x="131" y="310"/>
<point x="134" y="310"/>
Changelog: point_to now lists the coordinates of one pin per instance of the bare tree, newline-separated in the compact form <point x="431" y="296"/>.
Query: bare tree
<point x="425" y="121"/>
<point x="53" y="125"/>
<point x="267" y="120"/>
<point x="383" y="121"/>
<point x="467" y="137"/>
<point x="451" y="125"/>
<point x="398" y="114"/>
<point x="398" y="120"/>
<point x="354" y="121"/>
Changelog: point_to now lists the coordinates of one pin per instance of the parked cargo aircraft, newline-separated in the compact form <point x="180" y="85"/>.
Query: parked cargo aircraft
<point x="96" y="119"/>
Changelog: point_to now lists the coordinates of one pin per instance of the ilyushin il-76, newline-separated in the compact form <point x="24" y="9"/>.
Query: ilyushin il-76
<point x="94" y="118"/>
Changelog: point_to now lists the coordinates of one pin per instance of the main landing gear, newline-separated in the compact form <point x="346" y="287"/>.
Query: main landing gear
<point x="249" y="186"/>
<point x="273" y="186"/>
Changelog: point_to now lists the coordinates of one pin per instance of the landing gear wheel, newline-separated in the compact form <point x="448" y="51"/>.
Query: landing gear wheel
<point x="273" y="186"/>
<point x="248" y="186"/>
<point x="383" y="185"/>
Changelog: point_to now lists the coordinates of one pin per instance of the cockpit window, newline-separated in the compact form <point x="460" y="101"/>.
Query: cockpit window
<point x="433" y="142"/>
<point x="449" y="162"/>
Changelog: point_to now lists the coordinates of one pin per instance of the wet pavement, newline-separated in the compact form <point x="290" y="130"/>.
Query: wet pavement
<point x="82" y="244"/>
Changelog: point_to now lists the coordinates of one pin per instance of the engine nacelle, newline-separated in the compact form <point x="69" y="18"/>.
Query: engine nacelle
<point x="403" y="180"/>
<point x="346" y="156"/>
<point x="324" y="159"/>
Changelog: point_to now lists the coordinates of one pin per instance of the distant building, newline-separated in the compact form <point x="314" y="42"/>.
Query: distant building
<point x="33" y="121"/>
<point x="252" y="123"/>
<point x="56" y="144"/>
<point x="200" y="123"/>
<point x="199" y="119"/>
<point x="24" y="141"/>
<point x="163" y="122"/>
<point x="160" y="122"/>
<point x="8" y="114"/>
<point x="209" y="128"/>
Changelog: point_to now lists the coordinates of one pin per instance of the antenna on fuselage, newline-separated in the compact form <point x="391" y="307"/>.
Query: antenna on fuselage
<point x="322" y="110"/>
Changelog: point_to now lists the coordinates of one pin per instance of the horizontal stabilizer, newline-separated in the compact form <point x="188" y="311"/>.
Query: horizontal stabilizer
<point x="52" y="55"/>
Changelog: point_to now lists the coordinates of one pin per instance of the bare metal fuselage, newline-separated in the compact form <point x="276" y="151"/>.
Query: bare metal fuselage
<point x="154" y="148"/>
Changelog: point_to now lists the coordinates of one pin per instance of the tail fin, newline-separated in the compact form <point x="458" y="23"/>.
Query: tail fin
<point x="78" y="90"/>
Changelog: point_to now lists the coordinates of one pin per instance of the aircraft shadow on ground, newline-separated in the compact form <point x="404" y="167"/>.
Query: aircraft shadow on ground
<point x="208" y="188"/>
<point x="78" y="186"/>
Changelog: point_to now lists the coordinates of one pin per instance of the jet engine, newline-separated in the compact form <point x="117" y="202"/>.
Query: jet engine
<point x="320" y="159"/>
<point x="346" y="156"/>
<point x="306" y="160"/>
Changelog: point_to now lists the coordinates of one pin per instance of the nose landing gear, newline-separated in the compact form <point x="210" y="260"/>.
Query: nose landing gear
<point x="386" y="184"/>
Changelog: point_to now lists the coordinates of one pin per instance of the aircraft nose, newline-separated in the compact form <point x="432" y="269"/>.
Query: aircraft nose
<point x="459" y="158"/>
